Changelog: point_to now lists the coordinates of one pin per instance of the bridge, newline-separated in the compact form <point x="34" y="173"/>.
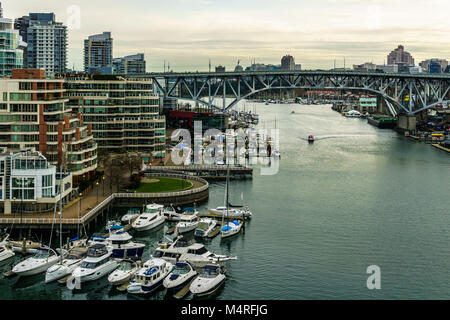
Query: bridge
<point x="402" y="93"/>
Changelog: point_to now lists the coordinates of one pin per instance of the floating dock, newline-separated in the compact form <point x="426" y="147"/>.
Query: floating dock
<point x="218" y="172"/>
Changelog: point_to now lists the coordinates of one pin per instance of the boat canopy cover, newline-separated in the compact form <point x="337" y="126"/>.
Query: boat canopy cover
<point x="226" y="228"/>
<point x="76" y="238"/>
<point x="231" y="206"/>
<point x="189" y="209"/>
<point x="150" y="271"/>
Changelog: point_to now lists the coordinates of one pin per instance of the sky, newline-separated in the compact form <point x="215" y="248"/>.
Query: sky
<point x="187" y="33"/>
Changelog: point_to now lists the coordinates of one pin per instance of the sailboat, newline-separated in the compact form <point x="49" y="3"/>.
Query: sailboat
<point x="275" y="153"/>
<point x="234" y="226"/>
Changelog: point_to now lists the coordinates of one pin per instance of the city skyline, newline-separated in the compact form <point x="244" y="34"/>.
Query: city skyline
<point x="249" y="31"/>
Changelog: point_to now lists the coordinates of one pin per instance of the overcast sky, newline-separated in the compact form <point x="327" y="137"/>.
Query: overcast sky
<point x="188" y="33"/>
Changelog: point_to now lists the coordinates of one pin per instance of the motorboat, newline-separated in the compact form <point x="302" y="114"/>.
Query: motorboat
<point x="310" y="138"/>
<point x="210" y="279"/>
<point x="97" y="264"/>
<point x="131" y="215"/>
<point x="71" y="260"/>
<point x="152" y="218"/>
<point x="182" y="273"/>
<point x="122" y="245"/>
<point x="233" y="213"/>
<point x="188" y="221"/>
<point x="353" y="114"/>
<point x="292" y="111"/>
<point x="150" y="277"/>
<point x="124" y="272"/>
<point x="276" y="154"/>
<point x="198" y="256"/>
<point x="171" y="214"/>
<point x="6" y="251"/>
<point x="205" y="227"/>
<point x="172" y="250"/>
<point x="230" y="228"/>
<point x="43" y="259"/>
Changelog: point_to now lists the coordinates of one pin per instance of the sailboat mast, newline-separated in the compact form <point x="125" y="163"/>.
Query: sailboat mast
<point x="60" y="211"/>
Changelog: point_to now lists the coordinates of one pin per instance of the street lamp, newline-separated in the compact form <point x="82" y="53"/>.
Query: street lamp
<point x="97" y="190"/>
<point x="103" y="181"/>
<point x="79" y="211"/>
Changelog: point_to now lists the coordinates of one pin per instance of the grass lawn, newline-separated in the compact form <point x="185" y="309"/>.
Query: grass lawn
<point x="164" y="185"/>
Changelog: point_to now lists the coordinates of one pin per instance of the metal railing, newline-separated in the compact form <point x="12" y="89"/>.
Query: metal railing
<point x="106" y="201"/>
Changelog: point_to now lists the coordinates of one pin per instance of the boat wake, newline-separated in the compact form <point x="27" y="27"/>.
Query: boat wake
<point x="339" y="136"/>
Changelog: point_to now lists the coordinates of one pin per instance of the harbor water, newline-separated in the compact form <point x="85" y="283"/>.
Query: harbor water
<point x="358" y="196"/>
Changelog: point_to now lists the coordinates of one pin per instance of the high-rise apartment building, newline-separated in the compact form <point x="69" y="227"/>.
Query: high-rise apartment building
<point x="124" y="113"/>
<point x="12" y="46"/>
<point x="435" y="65"/>
<point x="47" y="42"/>
<point x="400" y="57"/>
<point x="287" y="63"/>
<point x="98" y="52"/>
<point x="34" y="114"/>
<point x="134" y="64"/>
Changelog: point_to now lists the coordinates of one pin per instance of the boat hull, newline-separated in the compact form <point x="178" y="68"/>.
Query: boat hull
<point x="95" y="274"/>
<point x="35" y="270"/>
<point x="206" y="289"/>
<point x="150" y="226"/>
<point x="139" y="288"/>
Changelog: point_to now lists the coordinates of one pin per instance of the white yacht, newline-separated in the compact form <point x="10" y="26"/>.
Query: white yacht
<point x="151" y="218"/>
<point x="211" y="278"/>
<point x="353" y="114"/>
<point x="97" y="264"/>
<point x="198" y="256"/>
<point x="38" y="263"/>
<point x="234" y="212"/>
<point x="71" y="260"/>
<point x="124" y="273"/>
<point x="150" y="277"/>
<point x="188" y="221"/>
<point x="122" y="245"/>
<point x="6" y="251"/>
<point x="181" y="274"/>
<point x="131" y="215"/>
<point x="205" y="227"/>
<point x="230" y="228"/>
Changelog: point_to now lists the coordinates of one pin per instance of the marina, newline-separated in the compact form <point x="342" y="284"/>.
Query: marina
<point x="349" y="159"/>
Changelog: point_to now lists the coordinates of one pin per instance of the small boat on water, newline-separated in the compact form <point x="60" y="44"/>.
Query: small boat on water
<point x="310" y="138"/>
<point x="38" y="263"/>
<point x="353" y="114"/>
<point x="205" y="227"/>
<point x="292" y="111"/>
<point x="122" y="245"/>
<point x="189" y="220"/>
<point x="276" y="154"/>
<point x="150" y="277"/>
<point x="198" y="256"/>
<point x="181" y="274"/>
<point x="131" y="215"/>
<point x="152" y="218"/>
<point x="230" y="228"/>
<point x="233" y="212"/>
<point x="124" y="272"/>
<point x="97" y="264"/>
<point x="211" y="278"/>
<point x="6" y="251"/>
<point x="71" y="260"/>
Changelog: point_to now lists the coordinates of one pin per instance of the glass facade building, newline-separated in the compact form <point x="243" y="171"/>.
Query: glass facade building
<point x="11" y="47"/>
<point x="124" y="113"/>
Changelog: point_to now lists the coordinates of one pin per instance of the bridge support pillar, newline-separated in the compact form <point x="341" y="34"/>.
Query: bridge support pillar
<point x="407" y="122"/>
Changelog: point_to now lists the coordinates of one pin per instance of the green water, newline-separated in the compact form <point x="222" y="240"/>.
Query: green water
<point x="358" y="196"/>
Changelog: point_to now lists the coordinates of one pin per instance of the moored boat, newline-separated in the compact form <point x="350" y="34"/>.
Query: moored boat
<point x="71" y="260"/>
<point x="150" y="277"/>
<point x="210" y="279"/>
<point x="181" y="274"/>
<point x="38" y="263"/>
<point x="124" y="272"/>
<point x="152" y="218"/>
<point x="205" y="227"/>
